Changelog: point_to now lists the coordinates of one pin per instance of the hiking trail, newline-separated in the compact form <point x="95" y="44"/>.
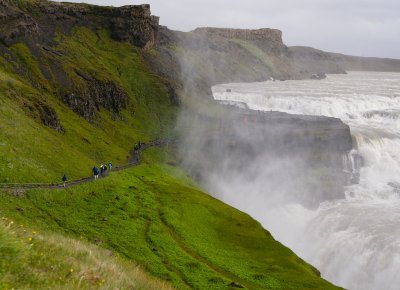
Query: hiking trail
<point x="133" y="161"/>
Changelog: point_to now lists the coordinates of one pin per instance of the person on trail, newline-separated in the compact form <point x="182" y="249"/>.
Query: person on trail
<point x="109" y="165"/>
<point x="64" y="180"/>
<point x="105" y="170"/>
<point x="95" y="172"/>
<point x="101" y="170"/>
<point x="137" y="146"/>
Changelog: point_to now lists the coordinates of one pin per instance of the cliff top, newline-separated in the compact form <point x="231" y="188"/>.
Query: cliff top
<point x="268" y="34"/>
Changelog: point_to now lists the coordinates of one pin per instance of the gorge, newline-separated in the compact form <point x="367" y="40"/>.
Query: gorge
<point x="80" y="84"/>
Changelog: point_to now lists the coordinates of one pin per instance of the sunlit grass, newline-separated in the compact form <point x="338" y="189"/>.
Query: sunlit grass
<point x="31" y="259"/>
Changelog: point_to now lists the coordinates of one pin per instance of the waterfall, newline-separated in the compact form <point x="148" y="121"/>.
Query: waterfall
<point x="354" y="241"/>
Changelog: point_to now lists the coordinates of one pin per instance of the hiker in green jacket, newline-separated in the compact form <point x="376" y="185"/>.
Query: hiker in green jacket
<point x="137" y="146"/>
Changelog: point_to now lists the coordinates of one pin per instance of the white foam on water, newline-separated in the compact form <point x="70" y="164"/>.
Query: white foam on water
<point x="354" y="242"/>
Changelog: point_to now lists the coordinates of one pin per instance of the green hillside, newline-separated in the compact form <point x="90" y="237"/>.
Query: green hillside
<point x="84" y="100"/>
<point x="33" y="152"/>
<point x="154" y="215"/>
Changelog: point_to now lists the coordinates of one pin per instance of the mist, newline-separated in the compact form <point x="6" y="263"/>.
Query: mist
<point x="258" y="161"/>
<point x="312" y="161"/>
<point x="235" y="152"/>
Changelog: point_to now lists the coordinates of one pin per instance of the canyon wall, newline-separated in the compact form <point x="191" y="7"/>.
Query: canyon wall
<point x="299" y="157"/>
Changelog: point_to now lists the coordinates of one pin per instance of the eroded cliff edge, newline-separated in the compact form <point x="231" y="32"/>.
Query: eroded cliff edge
<point x="36" y="29"/>
<point x="38" y="22"/>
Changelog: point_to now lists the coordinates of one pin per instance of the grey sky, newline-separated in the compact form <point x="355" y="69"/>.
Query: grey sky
<point x="357" y="27"/>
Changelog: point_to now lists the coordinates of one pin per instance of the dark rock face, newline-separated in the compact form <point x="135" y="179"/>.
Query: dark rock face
<point x="49" y="117"/>
<point x="133" y="24"/>
<point x="98" y="94"/>
<point x="290" y="158"/>
<point x="318" y="76"/>
<point x="14" y="24"/>
<point x="36" y="23"/>
<point x="45" y="114"/>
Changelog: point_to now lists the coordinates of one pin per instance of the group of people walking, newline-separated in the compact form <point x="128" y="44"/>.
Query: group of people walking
<point x="102" y="171"/>
<point x="96" y="172"/>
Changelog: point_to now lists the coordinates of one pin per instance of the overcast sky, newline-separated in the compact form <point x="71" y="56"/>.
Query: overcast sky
<point x="357" y="27"/>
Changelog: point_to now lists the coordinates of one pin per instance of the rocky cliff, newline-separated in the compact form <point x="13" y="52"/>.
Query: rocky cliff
<point x="30" y="35"/>
<point x="39" y="21"/>
<point x="311" y="59"/>
<point x="204" y="57"/>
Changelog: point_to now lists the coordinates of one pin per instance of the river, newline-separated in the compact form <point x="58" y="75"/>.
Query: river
<point x="354" y="241"/>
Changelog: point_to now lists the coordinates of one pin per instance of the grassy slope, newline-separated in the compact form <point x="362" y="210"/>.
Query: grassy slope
<point x="160" y="219"/>
<point x="31" y="152"/>
<point x="155" y="215"/>
<point x="39" y="260"/>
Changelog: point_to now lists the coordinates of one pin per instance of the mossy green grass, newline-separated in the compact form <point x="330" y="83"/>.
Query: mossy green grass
<point x="155" y="215"/>
<point x="32" y="152"/>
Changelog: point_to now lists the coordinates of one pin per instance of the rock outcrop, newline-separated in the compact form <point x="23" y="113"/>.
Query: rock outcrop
<point x="15" y="24"/>
<point x="133" y="24"/>
<point x="49" y="117"/>
<point x="98" y="94"/>
<point x="36" y="24"/>
<point x="136" y="25"/>
<point x="42" y="112"/>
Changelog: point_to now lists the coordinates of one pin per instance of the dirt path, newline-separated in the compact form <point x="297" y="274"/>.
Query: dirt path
<point x="133" y="161"/>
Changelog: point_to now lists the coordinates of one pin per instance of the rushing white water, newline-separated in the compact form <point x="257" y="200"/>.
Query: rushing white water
<point x="354" y="242"/>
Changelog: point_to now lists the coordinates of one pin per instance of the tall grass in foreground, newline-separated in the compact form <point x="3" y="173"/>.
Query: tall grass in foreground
<point x="35" y="260"/>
